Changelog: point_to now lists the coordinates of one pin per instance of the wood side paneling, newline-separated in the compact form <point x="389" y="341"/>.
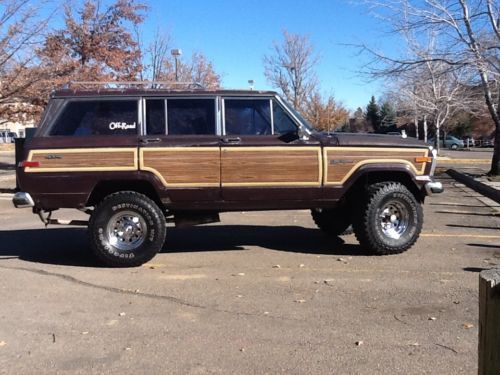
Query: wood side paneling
<point x="342" y="162"/>
<point x="176" y="166"/>
<point x="74" y="160"/>
<point x="268" y="166"/>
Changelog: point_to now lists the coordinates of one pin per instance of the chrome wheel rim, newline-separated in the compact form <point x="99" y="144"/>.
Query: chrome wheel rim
<point x="126" y="230"/>
<point x="394" y="219"/>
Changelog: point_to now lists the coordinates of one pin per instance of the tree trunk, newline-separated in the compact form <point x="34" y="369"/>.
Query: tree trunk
<point x="438" y="136"/>
<point x="415" y="120"/>
<point x="425" y="128"/>
<point x="495" y="160"/>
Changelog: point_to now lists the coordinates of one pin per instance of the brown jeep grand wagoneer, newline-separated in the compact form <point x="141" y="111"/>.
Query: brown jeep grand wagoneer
<point x="135" y="159"/>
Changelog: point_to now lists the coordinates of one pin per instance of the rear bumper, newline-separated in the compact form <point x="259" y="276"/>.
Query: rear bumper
<point x="434" y="187"/>
<point x="22" y="200"/>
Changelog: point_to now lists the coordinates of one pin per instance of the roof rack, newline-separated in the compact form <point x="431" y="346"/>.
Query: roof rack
<point x="134" y="84"/>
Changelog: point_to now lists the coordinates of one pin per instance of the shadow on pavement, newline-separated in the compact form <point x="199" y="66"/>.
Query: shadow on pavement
<point x="484" y="245"/>
<point x="70" y="247"/>
<point x="474" y="269"/>
<point x="471" y="226"/>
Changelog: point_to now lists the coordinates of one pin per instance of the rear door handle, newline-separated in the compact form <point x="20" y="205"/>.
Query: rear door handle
<point x="150" y="140"/>
<point x="231" y="139"/>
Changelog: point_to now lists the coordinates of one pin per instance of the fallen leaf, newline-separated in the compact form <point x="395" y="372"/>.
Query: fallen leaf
<point x="300" y="300"/>
<point x="85" y="332"/>
<point x="468" y="326"/>
<point x="122" y="314"/>
<point x="238" y="274"/>
<point x="276" y="266"/>
<point x="359" y="343"/>
<point x="3" y="343"/>
<point x="432" y="318"/>
<point x="301" y="265"/>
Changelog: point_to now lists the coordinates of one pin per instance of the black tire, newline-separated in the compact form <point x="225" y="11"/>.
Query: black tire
<point x="389" y="220"/>
<point x="127" y="229"/>
<point x="334" y="222"/>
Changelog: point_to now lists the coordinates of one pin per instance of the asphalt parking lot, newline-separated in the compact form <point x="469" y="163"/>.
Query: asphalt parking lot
<point x="261" y="292"/>
<point x="257" y="293"/>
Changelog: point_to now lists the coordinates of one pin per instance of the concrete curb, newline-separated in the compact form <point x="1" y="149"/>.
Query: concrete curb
<point x="470" y="182"/>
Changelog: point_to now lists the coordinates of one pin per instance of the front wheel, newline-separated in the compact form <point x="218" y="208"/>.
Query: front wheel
<point x="389" y="220"/>
<point x="127" y="229"/>
<point x="454" y="146"/>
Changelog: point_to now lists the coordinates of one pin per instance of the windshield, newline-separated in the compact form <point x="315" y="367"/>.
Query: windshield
<point x="299" y="117"/>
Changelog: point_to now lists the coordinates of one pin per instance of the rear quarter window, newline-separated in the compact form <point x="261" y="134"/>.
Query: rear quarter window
<point x="97" y="117"/>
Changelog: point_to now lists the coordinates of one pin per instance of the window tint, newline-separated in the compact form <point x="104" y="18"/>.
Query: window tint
<point x="104" y="117"/>
<point x="247" y="116"/>
<point x="282" y="121"/>
<point x="191" y="116"/>
<point x="155" y="117"/>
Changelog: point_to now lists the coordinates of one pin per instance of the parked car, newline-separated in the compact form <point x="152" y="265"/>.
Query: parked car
<point x="450" y="141"/>
<point x="487" y="142"/>
<point x="136" y="159"/>
<point x="7" y="136"/>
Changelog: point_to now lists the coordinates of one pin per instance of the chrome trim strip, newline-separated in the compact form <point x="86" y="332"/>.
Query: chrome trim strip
<point x="434" y="162"/>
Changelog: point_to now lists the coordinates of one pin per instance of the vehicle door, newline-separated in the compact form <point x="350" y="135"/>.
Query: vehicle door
<point x="262" y="157"/>
<point x="180" y="146"/>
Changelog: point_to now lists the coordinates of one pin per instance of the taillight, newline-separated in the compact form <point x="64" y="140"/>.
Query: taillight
<point x="30" y="164"/>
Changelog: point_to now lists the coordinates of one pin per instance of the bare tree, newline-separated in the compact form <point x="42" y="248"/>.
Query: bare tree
<point x="467" y="39"/>
<point x="198" y="70"/>
<point x="156" y="55"/>
<point x="290" y="67"/>
<point x="21" y="30"/>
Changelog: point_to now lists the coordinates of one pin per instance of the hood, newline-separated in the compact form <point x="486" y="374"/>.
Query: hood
<point x="370" y="140"/>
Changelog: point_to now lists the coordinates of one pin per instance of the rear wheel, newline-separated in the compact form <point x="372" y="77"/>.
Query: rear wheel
<point x="389" y="220"/>
<point x="334" y="222"/>
<point x="127" y="229"/>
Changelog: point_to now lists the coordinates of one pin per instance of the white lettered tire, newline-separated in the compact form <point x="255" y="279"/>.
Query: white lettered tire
<point x="127" y="229"/>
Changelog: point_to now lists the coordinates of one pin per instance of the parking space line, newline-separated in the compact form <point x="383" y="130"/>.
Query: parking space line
<point x="458" y="235"/>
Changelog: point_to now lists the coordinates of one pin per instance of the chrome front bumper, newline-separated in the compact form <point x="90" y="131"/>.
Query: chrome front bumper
<point x="434" y="187"/>
<point x="22" y="200"/>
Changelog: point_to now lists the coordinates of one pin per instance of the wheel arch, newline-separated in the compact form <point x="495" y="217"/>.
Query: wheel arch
<point x="373" y="174"/>
<point x="106" y="187"/>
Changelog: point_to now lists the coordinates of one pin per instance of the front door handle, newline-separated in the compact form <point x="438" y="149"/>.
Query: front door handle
<point x="231" y="139"/>
<point x="150" y="140"/>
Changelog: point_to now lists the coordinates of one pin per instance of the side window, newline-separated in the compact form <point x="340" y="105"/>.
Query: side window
<point x="282" y="122"/>
<point x="191" y="116"/>
<point x="247" y="116"/>
<point x="155" y="116"/>
<point x="103" y="117"/>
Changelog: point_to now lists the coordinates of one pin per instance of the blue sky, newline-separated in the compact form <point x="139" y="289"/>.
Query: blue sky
<point x="235" y="35"/>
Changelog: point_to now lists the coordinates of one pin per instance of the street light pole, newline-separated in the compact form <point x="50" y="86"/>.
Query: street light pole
<point x="176" y="53"/>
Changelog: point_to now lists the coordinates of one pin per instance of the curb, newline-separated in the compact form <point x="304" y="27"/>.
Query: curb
<point x="470" y="182"/>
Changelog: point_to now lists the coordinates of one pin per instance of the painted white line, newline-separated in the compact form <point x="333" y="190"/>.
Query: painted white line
<point x="6" y="196"/>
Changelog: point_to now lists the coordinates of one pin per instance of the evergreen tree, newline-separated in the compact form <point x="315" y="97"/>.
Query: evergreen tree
<point x="387" y="115"/>
<point x="373" y="114"/>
